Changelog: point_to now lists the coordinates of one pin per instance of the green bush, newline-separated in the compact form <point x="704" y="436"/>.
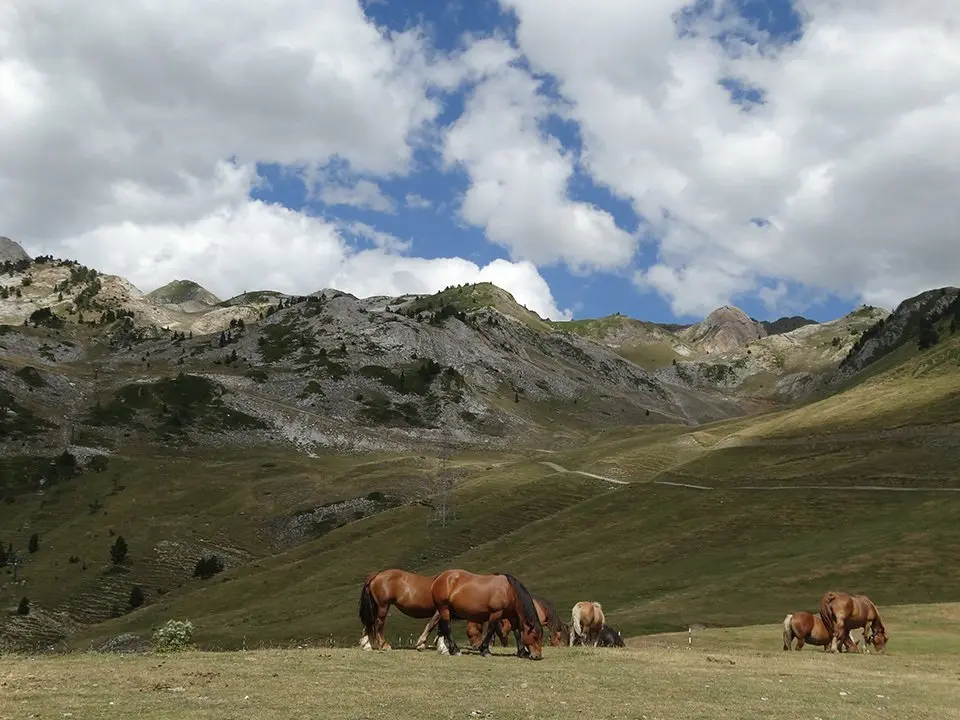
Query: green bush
<point x="175" y="635"/>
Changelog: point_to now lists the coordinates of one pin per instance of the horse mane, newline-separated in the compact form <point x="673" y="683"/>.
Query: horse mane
<point x="528" y="609"/>
<point x="879" y="621"/>
<point x="554" y="623"/>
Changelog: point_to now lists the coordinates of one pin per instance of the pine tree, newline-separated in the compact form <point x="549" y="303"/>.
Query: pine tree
<point x="118" y="551"/>
<point x="24" y="607"/>
<point x="34" y="544"/>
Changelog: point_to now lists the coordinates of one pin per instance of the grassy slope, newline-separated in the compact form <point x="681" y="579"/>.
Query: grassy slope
<point x="657" y="556"/>
<point x="642" y="343"/>
<point x="739" y="672"/>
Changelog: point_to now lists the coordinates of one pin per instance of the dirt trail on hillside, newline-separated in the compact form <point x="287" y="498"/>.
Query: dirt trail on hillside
<point x="861" y="488"/>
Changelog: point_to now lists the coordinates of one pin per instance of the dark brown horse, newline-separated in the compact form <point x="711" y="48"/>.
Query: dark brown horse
<point x="549" y="618"/>
<point x="458" y="594"/>
<point x="841" y="612"/>
<point x="408" y="591"/>
<point x="806" y="627"/>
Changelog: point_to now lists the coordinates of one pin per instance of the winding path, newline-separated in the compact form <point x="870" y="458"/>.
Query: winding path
<point x="860" y="488"/>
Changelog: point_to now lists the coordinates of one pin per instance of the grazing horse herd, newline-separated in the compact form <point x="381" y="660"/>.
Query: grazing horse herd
<point x="498" y="604"/>
<point x="840" y="613"/>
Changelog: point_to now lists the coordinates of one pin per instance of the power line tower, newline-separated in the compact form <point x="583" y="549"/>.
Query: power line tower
<point x="443" y="503"/>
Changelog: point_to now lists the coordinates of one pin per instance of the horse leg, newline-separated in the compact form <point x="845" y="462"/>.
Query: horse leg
<point x="422" y="640"/>
<point x="379" y="624"/>
<point x="839" y="630"/>
<point x="446" y="635"/>
<point x="493" y="625"/>
<point x="522" y="650"/>
<point x="799" y="642"/>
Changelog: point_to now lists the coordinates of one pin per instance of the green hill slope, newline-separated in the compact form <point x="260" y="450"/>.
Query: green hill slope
<point x="787" y="505"/>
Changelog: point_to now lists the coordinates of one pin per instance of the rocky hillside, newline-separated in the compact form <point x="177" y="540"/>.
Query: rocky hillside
<point x="917" y="323"/>
<point x="467" y="365"/>
<point x="489" y="367"/>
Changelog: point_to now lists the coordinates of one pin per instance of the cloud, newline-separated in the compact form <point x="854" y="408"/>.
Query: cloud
<point x="519" y="175"/>
<point x="131" y="133"/>
<point x="137" y="112"/>
<point x="363" y="194"/>
<point x="417" y="202"/>
<point x="253" y="245"/>
<point x="851" y="158"/>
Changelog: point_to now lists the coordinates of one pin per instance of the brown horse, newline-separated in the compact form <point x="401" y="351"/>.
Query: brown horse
<point x="841" y="612"/>
<point x="549" y="618"/>
<point x="408" y="591"/>
<point x="587" y="621"/>
<point x="458" y="594"/>
<point x="806" y="627"/>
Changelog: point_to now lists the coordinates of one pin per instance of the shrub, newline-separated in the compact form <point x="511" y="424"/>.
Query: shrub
<point x="208" y="566"/>
<point x="136" y="597"/>
<point x="24" y="607"/>
<point x="34" y="543"/>
<point x="173" y="636"/>
<point x="98" y="463"/>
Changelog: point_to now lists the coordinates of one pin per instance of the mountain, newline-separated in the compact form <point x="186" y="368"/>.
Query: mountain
<point x="185" y="295"/>
<point x="786" y="324"/>
<point x="11" y="252"/>
<point x="725" y="329"/>
<point x="307" y="440"/>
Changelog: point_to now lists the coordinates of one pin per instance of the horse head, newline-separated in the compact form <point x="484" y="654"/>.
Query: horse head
<point x="531" y="631"/>
<point x="878" y="636"/>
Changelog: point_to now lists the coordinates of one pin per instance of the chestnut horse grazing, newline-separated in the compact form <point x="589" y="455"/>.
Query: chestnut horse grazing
<point x="549" y="618"/>
<point x="408" y="591"/>
<point x="806" y="627"/>
<point x="841" y="612"/>
<point x="458" y="594"/>
<point x="587" y="621"/>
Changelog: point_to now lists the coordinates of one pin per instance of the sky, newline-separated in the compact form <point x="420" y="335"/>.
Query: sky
<point x="658" y="158"/>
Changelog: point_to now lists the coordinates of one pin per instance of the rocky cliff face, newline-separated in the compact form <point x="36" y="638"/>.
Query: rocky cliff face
<point x="723" y="330"/>
<point x="11" y="251"/>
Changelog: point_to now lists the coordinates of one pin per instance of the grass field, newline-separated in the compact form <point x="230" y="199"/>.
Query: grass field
<point x="738" y="672"/>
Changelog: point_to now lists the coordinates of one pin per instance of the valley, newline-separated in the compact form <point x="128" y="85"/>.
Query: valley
<point x="306" y="441"/>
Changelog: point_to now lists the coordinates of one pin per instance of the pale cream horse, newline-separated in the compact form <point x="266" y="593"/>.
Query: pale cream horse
<point x="587" y="622"/>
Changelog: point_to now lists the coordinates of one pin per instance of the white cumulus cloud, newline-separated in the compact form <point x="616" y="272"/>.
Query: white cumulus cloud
<point x="853" y="159"/>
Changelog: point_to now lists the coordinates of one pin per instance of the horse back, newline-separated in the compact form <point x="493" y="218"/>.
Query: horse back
<point x="404" y="589"/>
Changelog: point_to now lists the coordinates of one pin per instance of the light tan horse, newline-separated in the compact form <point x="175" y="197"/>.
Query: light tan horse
<point x="806" y="627"/>
<point x="586" y="622"/>
<point x="841" y="612"/>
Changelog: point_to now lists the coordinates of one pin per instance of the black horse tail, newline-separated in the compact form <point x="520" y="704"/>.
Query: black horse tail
<point x="528" y="609"/>
<point x="368" y="606"/>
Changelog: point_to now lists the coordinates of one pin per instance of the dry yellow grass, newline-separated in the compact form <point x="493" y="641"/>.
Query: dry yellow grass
<point x="739" y="672"/>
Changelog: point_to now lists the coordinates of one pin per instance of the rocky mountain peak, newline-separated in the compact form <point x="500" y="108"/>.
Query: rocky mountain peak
<point x="725" y="329"/>
<point x="11" y="251"/>
<point x="186" y="294"/>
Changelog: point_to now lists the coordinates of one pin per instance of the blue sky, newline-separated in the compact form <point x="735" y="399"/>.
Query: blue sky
<point x="438" y="232"/>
